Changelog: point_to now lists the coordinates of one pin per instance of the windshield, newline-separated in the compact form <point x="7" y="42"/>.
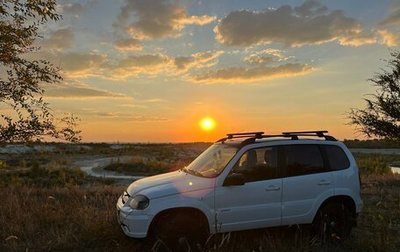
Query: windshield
<point x="212" y="161"/>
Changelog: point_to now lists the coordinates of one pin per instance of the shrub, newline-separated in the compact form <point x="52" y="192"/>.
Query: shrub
<point x="375" y="163"/>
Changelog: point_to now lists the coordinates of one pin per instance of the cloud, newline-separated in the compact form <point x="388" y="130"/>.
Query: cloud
<point x="359" y="40"/>
<point x="310" y="8"/>
<point x="194" y="20"/>
<point x="265" y="57"/>
<point x="392" y="19"/>
<point x="151" y="64"/>
<point x="143" y="61"/>
<point x="128" y="45"/>
<point x="184" y="62"/>
<point x="77" y="65"/>
<point x="127" y="116"/>
<point x="155" y="19"/>
<point x="251" y="74"/>
<point x="145" y="103"/>
<point x="59" y="39"/>
<point x="143" y="118"/>
<point x="260" y="65"/>
<point x="154" y="100"/>
<point x="82" y="64"/>
<point x="388" y="28"/>
<point x="133" y="65"/>
<point x="71" y="91"/>
<point x="388" y="38"/>
<point x="197" y="60"/>
<point x="310" y="23"/>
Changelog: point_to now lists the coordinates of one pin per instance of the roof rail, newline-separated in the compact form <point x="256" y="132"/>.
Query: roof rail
<point x="317" y="133"/>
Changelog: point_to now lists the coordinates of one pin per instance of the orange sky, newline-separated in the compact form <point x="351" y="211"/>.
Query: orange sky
<point x="149" y="71"/>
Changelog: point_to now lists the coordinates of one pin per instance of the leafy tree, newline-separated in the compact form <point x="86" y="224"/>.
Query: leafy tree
<point x="381" y="117"/>
<point x="25" y="115"/>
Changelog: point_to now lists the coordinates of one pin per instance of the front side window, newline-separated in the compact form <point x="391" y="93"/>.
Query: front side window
<point x="258" y="164"/>
<point x="303" y="159"/>
<point x="212" y="161"/>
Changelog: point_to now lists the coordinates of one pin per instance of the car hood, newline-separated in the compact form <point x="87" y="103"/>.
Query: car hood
<point x="170" y="183"/>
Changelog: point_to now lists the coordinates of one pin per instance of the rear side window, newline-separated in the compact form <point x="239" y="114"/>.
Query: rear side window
<point x="336" y="157"/>
<point x="303" y="159"/>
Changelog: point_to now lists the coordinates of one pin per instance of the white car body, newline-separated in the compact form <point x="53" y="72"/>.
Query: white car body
<point x="267" y="203"/>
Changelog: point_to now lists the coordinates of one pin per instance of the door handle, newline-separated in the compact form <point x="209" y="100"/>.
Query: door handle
<point x="324" y="182"/>
<point x="272" y="188"/>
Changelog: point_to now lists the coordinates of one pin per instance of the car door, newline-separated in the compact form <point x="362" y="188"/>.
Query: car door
<point x="257" y="202"/>
<point x="307" y="182"/>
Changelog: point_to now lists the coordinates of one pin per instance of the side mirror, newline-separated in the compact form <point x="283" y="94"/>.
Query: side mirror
<point x="234" y="179"/>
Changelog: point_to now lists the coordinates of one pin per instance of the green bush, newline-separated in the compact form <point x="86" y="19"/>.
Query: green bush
<point x="375" y="163"/>
<point x="141" y="167"/>
<point x="44" y="177"/>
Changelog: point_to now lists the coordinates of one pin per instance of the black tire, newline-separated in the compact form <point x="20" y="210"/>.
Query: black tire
<point x="180" y="232"/>
<point x="333" y="222"/>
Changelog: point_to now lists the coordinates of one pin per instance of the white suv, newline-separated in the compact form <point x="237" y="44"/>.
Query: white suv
<point x="247" y="181"/>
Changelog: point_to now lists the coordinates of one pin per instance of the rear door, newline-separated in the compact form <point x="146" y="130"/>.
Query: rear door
<point x="307" y="182"/>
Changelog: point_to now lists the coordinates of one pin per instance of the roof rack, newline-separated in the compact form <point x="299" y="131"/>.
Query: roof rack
<point x="318" y="133"/>
<point x="294" y="135"/>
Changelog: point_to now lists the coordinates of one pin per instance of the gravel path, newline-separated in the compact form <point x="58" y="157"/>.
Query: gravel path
<point x="95" y="167"/>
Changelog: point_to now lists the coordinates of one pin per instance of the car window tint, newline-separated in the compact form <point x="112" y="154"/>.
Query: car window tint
<point x="303" y="159"/>
<point x="258" y="164"/>
<point x="336" y="157"/>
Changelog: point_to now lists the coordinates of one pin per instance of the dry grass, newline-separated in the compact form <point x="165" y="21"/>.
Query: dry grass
<point x="77" y="218"/>
<point x="62" y="219"/>
<point x="379" y="224"/>
<point x="48" y="207"/>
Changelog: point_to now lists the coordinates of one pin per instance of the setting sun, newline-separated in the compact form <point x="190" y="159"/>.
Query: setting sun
<point x="207" y="123"/>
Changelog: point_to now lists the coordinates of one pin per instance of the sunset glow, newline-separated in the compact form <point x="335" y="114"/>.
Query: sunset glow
<point x="131" y="79"/>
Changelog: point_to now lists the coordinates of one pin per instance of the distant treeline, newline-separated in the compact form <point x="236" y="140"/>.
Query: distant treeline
<point x="104" y="148"/>
<point x="372" y="144"/>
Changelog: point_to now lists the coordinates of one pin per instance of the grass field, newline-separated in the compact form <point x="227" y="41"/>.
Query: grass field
<point x="71" y="218"/>
<point x="45" y="208"/>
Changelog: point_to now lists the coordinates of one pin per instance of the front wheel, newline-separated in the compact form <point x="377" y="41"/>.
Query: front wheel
<point x="180" y="232"/>
<point x="333" y="222"/>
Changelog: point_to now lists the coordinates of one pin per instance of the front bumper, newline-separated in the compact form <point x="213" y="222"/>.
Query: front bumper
<point x="134" y="223"/>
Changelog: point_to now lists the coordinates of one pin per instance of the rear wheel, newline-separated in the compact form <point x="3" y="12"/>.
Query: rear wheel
<point x="180" y="232"/>
<point x="333" y="222"/>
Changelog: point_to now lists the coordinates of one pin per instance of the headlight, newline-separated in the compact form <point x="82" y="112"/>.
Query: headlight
<point x="139" y="202"/>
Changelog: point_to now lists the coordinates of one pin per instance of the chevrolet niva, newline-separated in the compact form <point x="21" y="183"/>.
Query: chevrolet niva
<point x="249" y="181"/>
